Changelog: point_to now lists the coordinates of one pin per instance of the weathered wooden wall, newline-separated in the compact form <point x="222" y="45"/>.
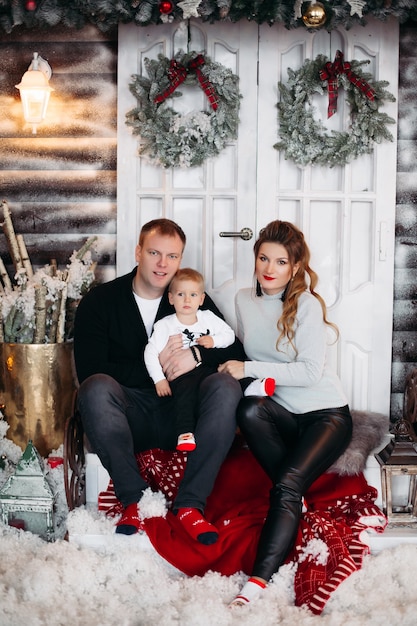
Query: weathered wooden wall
<point x="60" y="184"/>
<point x="404" y="353"/>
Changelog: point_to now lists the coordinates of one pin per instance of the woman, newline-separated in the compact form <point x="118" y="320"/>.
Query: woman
<point x="306" y="425"/>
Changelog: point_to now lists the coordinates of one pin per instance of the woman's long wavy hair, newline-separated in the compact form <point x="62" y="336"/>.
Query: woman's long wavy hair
<point x="293" y="241"/>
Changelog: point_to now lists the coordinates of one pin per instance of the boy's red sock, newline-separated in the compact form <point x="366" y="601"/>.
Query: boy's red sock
<point x="186" y="442"/>
<point x="198" y="527"/>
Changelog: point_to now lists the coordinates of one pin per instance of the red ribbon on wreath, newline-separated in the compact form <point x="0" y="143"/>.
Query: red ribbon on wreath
<point x="331" y="71"/>
<point x="177" y="73"/>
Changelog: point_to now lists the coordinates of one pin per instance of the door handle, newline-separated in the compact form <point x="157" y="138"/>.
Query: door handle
<point x="245" y="234"/>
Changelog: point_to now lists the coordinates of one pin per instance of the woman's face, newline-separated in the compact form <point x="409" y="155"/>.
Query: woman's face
<point x="273" y="269"/>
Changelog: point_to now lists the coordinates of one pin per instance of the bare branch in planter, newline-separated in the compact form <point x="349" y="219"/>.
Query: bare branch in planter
<point x="16" y="329"/>
<point x="40" y="314"/>
<point x="4" y="276"/>
<point x="81" y="252"/>
<point x="1" y="324"/>
<point x="56" y="310"/>
<point x="11" y="236"/>
<point x="60" y="335"/>
<point x="24" y="256"/>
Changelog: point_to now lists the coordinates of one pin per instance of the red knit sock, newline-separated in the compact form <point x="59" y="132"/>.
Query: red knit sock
<point x="129" y="523"/>
<point x="198" y="527"/>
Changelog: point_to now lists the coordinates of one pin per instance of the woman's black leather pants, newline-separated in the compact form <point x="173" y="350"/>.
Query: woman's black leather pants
<point x="294" y="450"/>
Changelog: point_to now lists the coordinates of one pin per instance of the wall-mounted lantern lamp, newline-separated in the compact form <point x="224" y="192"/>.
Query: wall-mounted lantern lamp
<point x="35" y="90"/>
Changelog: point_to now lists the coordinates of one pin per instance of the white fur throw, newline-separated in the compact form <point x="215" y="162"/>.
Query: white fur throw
<point x="369" y="430"/>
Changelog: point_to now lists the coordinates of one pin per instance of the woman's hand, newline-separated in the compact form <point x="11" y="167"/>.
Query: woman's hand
<point x="234" y="368"/>
<point x="174" y="360"/>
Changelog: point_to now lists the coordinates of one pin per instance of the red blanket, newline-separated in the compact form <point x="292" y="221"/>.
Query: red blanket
<point x="328" y="547"/>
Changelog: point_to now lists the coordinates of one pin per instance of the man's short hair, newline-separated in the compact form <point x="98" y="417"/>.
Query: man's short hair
<point x="163" y="226"/>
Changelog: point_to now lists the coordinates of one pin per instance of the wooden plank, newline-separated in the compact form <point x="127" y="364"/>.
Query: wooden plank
<point x="65" y="153"/>
<point x="404" y="347"/>
<point x="58" y="33"/>
<point x="405" y="315"/>
<point x="44" y="247"/>
<point x="57" y="185"/>
<point x="64" y="217"/>
<point x="81" y="57"/>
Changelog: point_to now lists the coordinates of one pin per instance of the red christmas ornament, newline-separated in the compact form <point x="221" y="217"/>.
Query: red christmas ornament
<point x="30" y="5"/>
<point x="166" y="7"/>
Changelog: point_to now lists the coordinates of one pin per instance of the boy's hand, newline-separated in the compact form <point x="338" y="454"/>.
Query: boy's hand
<point x="162" y="388"/>
<point x="206" y="341"/>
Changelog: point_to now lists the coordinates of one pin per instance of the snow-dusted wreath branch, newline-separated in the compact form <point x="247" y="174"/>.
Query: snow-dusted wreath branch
<point x="303" y="138"/>
<point x="169" y="138"/>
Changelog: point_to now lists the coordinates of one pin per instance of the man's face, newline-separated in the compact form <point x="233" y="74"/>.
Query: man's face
<point x="158" y="259"/>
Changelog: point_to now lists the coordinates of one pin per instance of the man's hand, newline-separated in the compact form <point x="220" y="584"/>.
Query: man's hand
<point x="234" y="368"/>
<point x="174" y="360"/>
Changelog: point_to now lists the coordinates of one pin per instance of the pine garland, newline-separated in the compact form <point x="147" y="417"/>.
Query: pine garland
<point x="107" y="14"/>
<point x="170" y="139"/>
<point x="303" y="138"/>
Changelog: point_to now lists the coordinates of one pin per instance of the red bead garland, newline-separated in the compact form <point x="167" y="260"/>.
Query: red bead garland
<point x="31" y="5"/>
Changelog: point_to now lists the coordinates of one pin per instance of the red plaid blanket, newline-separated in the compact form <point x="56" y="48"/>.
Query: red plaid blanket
<point x="329" y="545"/>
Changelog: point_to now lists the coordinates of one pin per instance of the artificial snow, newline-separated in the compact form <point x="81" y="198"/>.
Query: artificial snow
<point x="91" y="576"/>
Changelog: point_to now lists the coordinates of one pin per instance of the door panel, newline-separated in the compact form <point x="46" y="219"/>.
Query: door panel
<point x="218" y="196"/>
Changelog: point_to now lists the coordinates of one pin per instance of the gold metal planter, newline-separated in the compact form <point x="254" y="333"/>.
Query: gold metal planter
<point x="37" y="384"/>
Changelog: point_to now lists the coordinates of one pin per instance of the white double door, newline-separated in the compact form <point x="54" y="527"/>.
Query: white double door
<point x="347" y="213"/>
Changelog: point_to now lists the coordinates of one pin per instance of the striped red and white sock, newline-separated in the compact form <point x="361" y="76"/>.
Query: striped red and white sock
<point x="250" y="591"/>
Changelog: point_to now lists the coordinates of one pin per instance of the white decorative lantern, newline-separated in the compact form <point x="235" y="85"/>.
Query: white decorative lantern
<point x="26" y="498"/>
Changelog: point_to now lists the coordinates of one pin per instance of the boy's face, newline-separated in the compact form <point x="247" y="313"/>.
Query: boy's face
<point x="186" y="296"/>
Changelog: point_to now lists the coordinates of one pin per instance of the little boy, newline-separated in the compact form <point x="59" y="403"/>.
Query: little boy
<point x="198" y="328"/>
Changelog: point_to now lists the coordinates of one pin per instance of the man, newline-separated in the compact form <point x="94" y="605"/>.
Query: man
<point x="120" y="410"/>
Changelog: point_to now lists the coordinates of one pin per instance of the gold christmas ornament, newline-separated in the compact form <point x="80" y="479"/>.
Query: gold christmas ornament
<point x="315" y="15"/>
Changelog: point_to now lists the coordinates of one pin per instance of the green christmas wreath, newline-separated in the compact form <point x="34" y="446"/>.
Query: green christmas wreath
<point x="303" y="137"/>
<point x="169" y="138"/>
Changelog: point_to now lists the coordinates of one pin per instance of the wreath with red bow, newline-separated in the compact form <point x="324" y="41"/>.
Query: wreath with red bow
<point x="303" y="137"/>
<point x="173" y="139"/>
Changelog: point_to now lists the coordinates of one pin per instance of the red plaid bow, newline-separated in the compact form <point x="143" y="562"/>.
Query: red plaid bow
<point x="177" y="74"/>
<point x="331" y="71"/>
